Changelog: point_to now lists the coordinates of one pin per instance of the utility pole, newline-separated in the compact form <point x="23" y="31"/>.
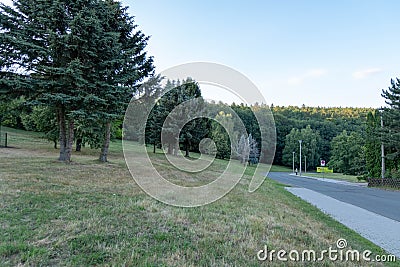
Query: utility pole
<point x="382" y="153"/>
<point x="293" y="161"/>
<point x="300" y="141"/>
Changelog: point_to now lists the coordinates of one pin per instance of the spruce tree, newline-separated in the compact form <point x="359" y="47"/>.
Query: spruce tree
<point x="391" y="130"/>
<point x="82" y="58"/>
<point x="178" y="92"/>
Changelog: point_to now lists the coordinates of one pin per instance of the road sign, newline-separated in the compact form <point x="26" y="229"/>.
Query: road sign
<point x="324" y="169"/>
<point x="322" y="162"/>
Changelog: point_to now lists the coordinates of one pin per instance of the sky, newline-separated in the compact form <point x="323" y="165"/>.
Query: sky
<point x="316" y="53"/>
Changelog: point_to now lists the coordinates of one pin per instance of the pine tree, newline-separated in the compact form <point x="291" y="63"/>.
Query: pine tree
<point x="82" y="58"/>
<point x="150" y="92"/>
<point x="391" y="118"/>
<point x="122" y="65"/>
<point x="178" y="92"/>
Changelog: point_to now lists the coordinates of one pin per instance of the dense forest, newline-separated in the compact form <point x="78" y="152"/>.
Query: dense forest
<point x="316" y="126"/>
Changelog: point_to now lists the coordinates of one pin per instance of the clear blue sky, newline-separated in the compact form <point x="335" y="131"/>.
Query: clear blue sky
<point x="317" y="53"/>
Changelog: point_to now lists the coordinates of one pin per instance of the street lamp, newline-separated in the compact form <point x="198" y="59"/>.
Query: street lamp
<point x="305" y="164"/>
<point x="293" y="161"/>
<point x="300" y="141"/>
<point x="382" y="153"/>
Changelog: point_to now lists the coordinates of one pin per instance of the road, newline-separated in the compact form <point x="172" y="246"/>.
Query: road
<point x="382" y="202"/>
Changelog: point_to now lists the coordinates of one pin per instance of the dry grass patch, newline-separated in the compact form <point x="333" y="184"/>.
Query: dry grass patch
<point x="88" y="213"/>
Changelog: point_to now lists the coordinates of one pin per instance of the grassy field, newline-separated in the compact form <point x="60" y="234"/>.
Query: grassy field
<point x="88" y="213"/>
<point x="336" y="176"/>
<point x="280" y="169"/>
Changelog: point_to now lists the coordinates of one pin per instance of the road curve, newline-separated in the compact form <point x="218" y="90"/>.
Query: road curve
<point x="382" y="202"/>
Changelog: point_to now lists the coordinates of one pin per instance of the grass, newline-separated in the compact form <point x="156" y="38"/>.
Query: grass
<point x="336" y="176"/>
<point x="276" y="168"/>
<point x="88" y="213"/>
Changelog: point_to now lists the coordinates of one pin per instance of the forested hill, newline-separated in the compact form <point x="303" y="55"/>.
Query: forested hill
<point x="316" y="126"/>
<point x="304" y="113"/>
<point x="327" y="121"/>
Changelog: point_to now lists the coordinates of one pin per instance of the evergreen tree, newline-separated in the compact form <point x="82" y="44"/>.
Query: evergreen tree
<point x="220" y="135"/>
<point x="373" y="145"/>
<point x="81" y="58"/>
<point x="151" y="91"/>
<point x="176" y="94"/>
<point x="122" y="64"/>
<point x="391" y="130"/>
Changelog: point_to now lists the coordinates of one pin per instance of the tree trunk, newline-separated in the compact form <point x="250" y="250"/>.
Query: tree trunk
<point x="154" y="147"/>
<point x="78" y="145"/>
<point x="170" y="148"/>
<point x="63" y="133"/>
<point x="55" y="143"/>
<point x="70" y="141"/>
<point x="106" y="143"/>
<point x="187" y="148"/>
<point x="176" y="148"/>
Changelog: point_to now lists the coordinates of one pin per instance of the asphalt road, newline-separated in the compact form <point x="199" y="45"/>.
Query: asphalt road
<point x="382" y="202"/>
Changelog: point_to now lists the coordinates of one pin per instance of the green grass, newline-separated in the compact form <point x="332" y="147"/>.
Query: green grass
<point x="276" y="168"/>
<point x="336" y="176"/>
<point x="89" y="213"/>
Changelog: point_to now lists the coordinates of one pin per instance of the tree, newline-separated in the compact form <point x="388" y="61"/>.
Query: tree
<point x="328" y="121"/>
<point x="122" y="64"/>
<point x="254" y="152"/>
<point x="42" y="119"/>
<point x="220" y="135"/>
<point x="266" y="123"/>
<point x="391" y="130"/>
<point x="348" y="153"/>
<point x="243" y="149"/>
<point x="51" y="59"/>
<point x="154" y="126"/>
<point x="81" y="58"/>
<point x="11" y="110"/>
<point x="151" y="90"/>
<point x="373" y="145"/>
<point x="170" y="113"/>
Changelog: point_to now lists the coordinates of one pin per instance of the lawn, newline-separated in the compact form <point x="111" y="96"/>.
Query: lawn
<point x="276" y="168"/>
<point x="336" y="176"/>
<point x="89" y="213"/>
